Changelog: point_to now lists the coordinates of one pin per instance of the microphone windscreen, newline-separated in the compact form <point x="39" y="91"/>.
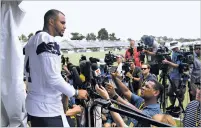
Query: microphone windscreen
<point x="94" y="66"/>
<point x="88" y="71"/>
<point x="77" y="82"/>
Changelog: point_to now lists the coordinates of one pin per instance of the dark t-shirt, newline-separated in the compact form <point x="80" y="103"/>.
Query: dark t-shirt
<point x="149" y="77"/>
<point x="136" y="73"/>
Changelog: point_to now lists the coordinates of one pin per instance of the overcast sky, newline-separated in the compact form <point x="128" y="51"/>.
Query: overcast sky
<point x="127" y="19"/>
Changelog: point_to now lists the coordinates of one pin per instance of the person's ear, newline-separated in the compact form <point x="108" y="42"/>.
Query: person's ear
<point x="156" y="93"/>
<point x="51" y="21"/>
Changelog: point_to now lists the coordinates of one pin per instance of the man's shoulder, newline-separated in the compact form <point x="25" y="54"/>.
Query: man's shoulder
<point x="151" y="77"/>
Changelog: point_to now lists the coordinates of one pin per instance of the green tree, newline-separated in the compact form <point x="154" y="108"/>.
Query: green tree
<point x="90" y="36"/>
<point x="102" y="34"/>
<point x="112" y="37"/>
<point x="77" y="36"/>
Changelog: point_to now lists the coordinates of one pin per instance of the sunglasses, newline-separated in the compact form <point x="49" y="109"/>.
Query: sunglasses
<point x="143" y="68"/>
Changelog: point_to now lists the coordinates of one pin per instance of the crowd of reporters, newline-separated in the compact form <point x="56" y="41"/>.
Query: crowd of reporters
<point x="135" y="83"/>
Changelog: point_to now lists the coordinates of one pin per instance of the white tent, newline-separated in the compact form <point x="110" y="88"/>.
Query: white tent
<point x="13" y="113"/>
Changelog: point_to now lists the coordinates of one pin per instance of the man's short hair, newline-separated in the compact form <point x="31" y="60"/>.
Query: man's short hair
<point x="148" y="66"/>
<point x="53" y="13"/>
<point x="158" y="86"/>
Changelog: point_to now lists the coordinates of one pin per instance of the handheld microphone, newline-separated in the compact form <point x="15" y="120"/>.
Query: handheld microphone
<point x="96" y="70"/>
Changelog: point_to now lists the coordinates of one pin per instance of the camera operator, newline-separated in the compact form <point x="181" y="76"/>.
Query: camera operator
<point x="153" y="47"/>
<point x="175" y="75"/>
<point x="195" y="70"/>
<point x="134" y="75"/>
<point x="150" y="52"/>
<point x="132" y="54"/>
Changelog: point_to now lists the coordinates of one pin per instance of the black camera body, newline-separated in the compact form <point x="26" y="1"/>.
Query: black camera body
<point x="82" y="58"/>
<point x="161" y="54"/>
<point x="126" y="68"/>
<point x="142" y="47"/>
<point x="110" y="58"/>
<point x="94" y="60"/>
<point x="186" y="58"/>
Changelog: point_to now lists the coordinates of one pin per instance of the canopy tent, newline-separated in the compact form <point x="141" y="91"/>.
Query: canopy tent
<point x="92" y="44"/>
<point x="13" y="113"/>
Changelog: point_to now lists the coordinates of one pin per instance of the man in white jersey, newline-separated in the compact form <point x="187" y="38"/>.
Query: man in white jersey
<point x="43" y="71"/>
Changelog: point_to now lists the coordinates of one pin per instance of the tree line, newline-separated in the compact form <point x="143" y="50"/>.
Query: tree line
<point x="104" y="35"/>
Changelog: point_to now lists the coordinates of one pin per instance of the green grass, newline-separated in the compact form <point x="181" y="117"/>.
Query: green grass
<point x="74" y="58"/>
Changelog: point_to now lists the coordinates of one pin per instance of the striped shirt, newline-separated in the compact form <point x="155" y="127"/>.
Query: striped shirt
<point x="192" y="116"/>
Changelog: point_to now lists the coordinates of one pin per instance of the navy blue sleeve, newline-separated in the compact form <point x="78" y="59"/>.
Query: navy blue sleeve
<point x="136" y="100"/>
<point x="51" y="47"/>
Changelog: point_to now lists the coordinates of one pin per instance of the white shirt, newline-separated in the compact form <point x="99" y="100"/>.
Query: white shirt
<point x="47" y="85"/>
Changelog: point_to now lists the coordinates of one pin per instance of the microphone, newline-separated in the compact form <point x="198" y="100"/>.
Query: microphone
<point x="77" y="82"/>
<point x="85" y="69"/>
<point x="96" y="70"/>
<point x="88" y="71"/>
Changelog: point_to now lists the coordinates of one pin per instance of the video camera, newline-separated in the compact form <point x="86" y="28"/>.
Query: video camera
<point x="82" y="58"/>
<point x="126" y="68"/>
<point x="141" y="46"/>
<point x="161" y="54"/>
<point x="94" y="60"/>
<point x="186" y="58"/>
<point x="110" y="58"/>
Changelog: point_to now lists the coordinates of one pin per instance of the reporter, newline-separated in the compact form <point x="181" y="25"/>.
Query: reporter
<point x="134" y="75"/>
<point x="132" y="54"/>
<point x="175" y="75"/>
<point x="195" y="70"/>
<point x="153" y="45"/>
<point x="146" y="104"/>
<point x="150" y="53"/>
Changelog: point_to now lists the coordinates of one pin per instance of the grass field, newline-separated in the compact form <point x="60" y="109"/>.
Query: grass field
<point x="74" y="58"/>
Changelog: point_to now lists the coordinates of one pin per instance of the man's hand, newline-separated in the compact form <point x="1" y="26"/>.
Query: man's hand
<point x="65" y="68"/>
<point x="82" y="94"/>
<point x="114" y="74"/>
<point x="110" y="89"/>
<point x="75" y="110"/>
<point x="102" y="92"/>
<point x="165" y="61"/>
<point x="128" y="74"/>
<point x="145" y="51"/>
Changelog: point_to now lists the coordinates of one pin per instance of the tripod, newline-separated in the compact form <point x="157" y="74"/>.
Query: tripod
<point x="164" y="77"/>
